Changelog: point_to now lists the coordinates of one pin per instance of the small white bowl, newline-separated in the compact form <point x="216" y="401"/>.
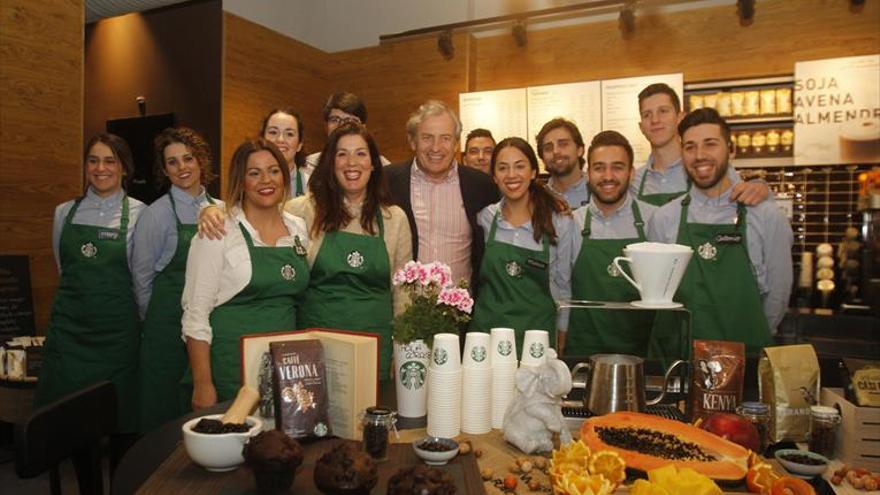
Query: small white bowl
<point x="217" y="452"/>
<point x="436" y="458"/>
<point x="802" y="470"/>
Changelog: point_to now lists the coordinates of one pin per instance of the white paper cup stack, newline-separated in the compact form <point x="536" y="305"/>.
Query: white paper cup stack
<point x="444" y="387"/>
<point x="503" y="356"/>
<point x="476" y="378"/>
<point x="535" y="345"/>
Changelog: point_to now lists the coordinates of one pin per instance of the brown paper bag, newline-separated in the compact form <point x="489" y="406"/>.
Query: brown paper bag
<point x="788" y="381"/>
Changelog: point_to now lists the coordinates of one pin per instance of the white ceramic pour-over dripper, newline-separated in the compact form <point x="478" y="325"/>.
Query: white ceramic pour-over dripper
<point x="657" y="269"/>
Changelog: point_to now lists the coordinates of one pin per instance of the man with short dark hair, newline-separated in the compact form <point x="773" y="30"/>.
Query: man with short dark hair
<point x="561" y="148"/>
<point x="340" y="108"/>
<point x="441" y="198"/>
<point x="613" y="219"/>
<point x="739" y="278"/>
<point x="478" y="147"/>
<point x="663" y="177"/>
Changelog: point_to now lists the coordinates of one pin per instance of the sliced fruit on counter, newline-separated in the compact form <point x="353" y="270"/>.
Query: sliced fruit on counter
<point x="669" y="480"/>
<point x="573" y="483"/>
<point x="733" y="427"/>
<point x="647" y="442"/>
<point x="645" y="487"/>
<point x="788" y="485"/>
<point x="608" y="464"/>
<point x="761" y="477"/>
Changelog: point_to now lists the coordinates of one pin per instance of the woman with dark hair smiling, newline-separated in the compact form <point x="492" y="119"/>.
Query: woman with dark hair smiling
<point x="161" y="246"/>
<point x="93" y="332"/>
<point x="247" y="282"/>
<point x="358" y="239"/>
<point x="529" y="236"/>
<point x="283" y="127"/>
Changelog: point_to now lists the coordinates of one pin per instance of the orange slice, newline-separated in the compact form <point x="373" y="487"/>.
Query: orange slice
<point x="608" y="464"/>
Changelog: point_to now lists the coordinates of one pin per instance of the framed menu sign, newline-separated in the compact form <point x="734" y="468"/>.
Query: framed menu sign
<point x="837" y="111"/>
<point x="620" y="108"/>
<point x="503" y="112"/>
<point x="579" y="102"/>
<point x="16" y="302"/>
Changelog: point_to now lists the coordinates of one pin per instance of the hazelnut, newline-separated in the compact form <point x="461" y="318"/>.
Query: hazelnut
<point x="478" y="453"/>
<point x="870" y="483"/>
<point x="534" y="485"/>
<point x="540" y="462"/>
<point x="525" y="466"/>
<point x="486" y="473"/>
<point x="513" y="468"/>
<point x="464" y="448"/>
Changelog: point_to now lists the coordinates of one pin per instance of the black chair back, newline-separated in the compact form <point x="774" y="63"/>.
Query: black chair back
<point x="71" y="427"/>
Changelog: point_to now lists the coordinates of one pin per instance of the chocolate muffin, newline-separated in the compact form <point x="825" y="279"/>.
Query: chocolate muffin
<point x="345" y="470"/>
<point x="274" y="457"/>
<point x="421" y="480"/>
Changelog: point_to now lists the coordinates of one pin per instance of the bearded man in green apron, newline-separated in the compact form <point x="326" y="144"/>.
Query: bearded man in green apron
<point x="663" y="177"/>
<point x="738" y="281"/>
<point x="613" y="219"/>
<point x="94" y="329"/>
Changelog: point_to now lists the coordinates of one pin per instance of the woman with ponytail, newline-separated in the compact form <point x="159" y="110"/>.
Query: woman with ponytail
<point x="528" y="258"/>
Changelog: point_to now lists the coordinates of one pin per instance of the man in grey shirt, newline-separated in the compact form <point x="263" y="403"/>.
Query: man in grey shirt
<point x="561" y="147"/>
<point x="739" y="279"/>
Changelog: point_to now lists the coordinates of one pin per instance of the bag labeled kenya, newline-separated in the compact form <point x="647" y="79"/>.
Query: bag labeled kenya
<point x="788" y="381"/>
<point x="717" y="385"/>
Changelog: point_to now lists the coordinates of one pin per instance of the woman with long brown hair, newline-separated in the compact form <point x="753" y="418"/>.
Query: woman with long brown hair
<point x="247" y="282"/>
<point x="527" y="263"/>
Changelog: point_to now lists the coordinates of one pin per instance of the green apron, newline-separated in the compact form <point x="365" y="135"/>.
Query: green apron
<point x="163" y="352"/>
<point x="658" y="199"/>
<point x="719" y="286"/>
<point x="514" y="289"/>
<point x="93" y="333"/>
<point x="266" y="304"/>
<point x="595" y="278"/>
<point x="350" y="289"/>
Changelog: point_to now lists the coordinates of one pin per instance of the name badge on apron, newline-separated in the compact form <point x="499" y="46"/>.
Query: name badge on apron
<point x="298" y="247"/>
<point x="540" y="265"/>
<point x="728" y="238"/>
<point x="108" y="234"/>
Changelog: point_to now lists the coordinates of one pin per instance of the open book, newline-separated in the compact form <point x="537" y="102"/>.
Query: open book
<point x="352" y="362"/>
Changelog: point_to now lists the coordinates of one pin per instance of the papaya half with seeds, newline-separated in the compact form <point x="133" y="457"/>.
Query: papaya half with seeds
<point x="647" y="442"/>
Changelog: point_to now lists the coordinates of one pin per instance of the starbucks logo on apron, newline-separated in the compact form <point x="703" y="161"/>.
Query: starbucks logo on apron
<point x="320" y="429"/>
<point x="505" y="347"/>
<point x="288" y="272"/>
<point x="612" y="270"/>
<point x="89" y="250"/>
<point x="707" y="251"/>
<point x="478" y="354"/>
<point x="536" y="350"/>
<point x="440" y="357"/>
<point x="412" y="375"/>
<point x="355" y="259"/>
<point x="513" y="269"/>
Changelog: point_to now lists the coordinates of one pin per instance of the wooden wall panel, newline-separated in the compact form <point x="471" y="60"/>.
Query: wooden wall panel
<point x="41" y="110"/>
<point x="704" y="44"/>
<point x="263" y="70"/>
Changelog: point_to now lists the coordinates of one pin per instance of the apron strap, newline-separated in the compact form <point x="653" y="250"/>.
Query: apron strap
<point x="247" y="236"/>
<point x="299" y="183"/>
<point x="588" y="224"/>
<point x="123" y="222"/>
<point x="69" y="218"/>
<point x="174" y="209"/>
<point x="493" y="228"/>
<point x="683" y="219"/>
<point x="642" y="183"/>
<point x="638" y="223"/>
<point x="209" y="198"/>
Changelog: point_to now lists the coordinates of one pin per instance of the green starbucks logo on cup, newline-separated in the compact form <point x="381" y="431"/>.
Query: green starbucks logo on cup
<point x="440" y="357"/>
<point x="412" y="375"/>
<point x="536" y="350"/>
<point x="505" y="347"/>
<point x="478" y="354"/>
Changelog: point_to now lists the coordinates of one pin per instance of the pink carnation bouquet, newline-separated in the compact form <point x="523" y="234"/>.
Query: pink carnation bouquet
<point x="437" y="305"/>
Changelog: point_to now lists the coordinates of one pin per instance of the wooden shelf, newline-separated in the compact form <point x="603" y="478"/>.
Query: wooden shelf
<point x="768" y="119"/>
<point x="778" y="161"/>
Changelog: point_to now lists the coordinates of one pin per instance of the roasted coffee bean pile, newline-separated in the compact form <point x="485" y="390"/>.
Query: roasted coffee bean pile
<point x="216" y="427"/>
<point x="653" y="442"/>
<point x="803" y="459"/>
<point x="432" y="446"/>
<point x="376" y="440"/>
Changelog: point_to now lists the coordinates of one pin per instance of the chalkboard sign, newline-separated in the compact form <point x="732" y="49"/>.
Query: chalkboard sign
<point x="16" y="303"/>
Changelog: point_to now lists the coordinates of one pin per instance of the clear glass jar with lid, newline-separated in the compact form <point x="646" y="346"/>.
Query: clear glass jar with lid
<point x="758" y="414"/>
<point x="377" y="423"/>
<point x="823" y="429"/>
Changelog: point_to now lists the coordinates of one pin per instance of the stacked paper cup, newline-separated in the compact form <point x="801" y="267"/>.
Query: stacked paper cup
<point x="444" y="387"/>
<point x="476" y="378"/>
<point x="535" y="345"/>
<point x="503" y="356"/>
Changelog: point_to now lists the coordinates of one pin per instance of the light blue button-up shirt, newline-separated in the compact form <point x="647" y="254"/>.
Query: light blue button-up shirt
<point x="576" y="196"/>
<point x="155" y="239"/>
<point x="768" y="241"/>
<point x="99" y="212"/>
<point x="672" y="180"/>
<point x="619" y="224"/>
<point x="524" y="236"/>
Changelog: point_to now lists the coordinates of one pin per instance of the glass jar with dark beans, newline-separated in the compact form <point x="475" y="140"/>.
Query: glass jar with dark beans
<point x="377" y="423"/>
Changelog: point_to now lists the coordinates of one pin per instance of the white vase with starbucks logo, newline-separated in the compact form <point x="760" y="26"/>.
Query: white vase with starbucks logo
<point x="411" y="373"/>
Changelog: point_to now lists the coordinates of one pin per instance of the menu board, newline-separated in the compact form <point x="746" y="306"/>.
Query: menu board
<point x="579" y="102"/>
<point x="620" y="108"/>
<point x="502" y="112"/>
<point x="16" y="303"/>
<point x="837" y="111"/>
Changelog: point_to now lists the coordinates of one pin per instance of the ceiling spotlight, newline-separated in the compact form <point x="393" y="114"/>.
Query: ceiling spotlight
<point x="519" y="33"/>
<point x="745" y="9"/>
<point x="444" y="44"/>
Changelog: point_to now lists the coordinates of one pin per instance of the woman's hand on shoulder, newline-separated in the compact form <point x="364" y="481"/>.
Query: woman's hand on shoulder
<point x="212" y="223"/>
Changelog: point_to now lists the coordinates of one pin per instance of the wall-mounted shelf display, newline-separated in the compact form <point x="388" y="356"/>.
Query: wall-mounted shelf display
<point x="759" y="112"/>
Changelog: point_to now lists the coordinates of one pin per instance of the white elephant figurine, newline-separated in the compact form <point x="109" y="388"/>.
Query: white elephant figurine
<point x="536" y="412"/>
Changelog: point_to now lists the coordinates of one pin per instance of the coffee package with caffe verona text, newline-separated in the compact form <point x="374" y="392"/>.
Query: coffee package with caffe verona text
<point x="861" y="381"/>
<point x="719" y="367"/>
<point x="300" y="388"/>
<point x="788" y="381"/>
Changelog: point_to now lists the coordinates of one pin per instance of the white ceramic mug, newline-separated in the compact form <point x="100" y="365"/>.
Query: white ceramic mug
<point x="657" y="269"/>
